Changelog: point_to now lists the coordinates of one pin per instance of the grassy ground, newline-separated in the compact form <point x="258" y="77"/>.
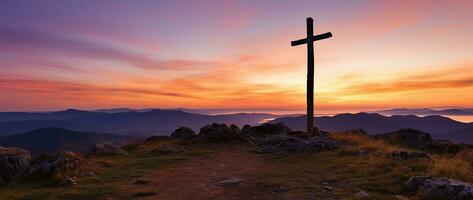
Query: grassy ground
<point x="112" y="173"/>
<point x="360" y="165"/>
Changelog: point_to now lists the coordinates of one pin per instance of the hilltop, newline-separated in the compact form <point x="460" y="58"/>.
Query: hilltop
<point x="224" y="162"/>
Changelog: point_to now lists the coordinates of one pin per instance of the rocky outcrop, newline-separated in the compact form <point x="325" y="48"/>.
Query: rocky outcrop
<point x="407" y="155"/>
<point x="266" y="129"/>
<point x="13" y="163"/>
<point x="440" y="188"/>
<point x="61" y="163"/>
<point x="417" y="139"/>
<point x="107" y="149"/>
<point x="183" y="133"/>
<point x="408" y="137"/>
<point x="297" y="144"/>
<point x="220" y="133"/>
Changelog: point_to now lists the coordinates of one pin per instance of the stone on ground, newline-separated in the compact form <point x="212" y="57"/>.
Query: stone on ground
<point x="407" y="155"/>
<point x="230" y="181"/>
<point x="61" y="163"/>
<point x="13" y="163"/>
<point x="440" y="188"/>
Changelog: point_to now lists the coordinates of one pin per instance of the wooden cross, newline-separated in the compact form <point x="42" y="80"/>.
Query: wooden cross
<point x="311" y="38"/>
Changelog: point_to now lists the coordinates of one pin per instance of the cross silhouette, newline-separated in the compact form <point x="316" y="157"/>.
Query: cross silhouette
<point x="311" y="38"/>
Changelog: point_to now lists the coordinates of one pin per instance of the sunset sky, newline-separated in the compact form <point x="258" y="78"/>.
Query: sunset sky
<point x="58" y="54"/>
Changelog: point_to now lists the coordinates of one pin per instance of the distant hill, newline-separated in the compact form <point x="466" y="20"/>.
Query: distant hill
<point x="425" y="111"/>
<point x="58" y="115"/>
<point x="440" y="127"/>
<point x="123" y="123"/>
<point x="52" y="139"/>
<point x="14" y="127"/>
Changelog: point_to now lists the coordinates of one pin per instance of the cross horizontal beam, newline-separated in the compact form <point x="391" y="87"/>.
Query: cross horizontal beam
<point x="314" y="38"/>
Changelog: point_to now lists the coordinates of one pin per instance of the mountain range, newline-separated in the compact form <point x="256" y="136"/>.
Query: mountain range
<point x="426" y="111"/>
<point x="439" y="127"/>
<point x="142" y="123"/>
<point x="122" y="122"/>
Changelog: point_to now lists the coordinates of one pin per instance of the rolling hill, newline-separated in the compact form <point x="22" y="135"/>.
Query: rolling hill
<point x="440" y="127"/>
<point x="52" y="139"/>
<point x="426" y="111"/>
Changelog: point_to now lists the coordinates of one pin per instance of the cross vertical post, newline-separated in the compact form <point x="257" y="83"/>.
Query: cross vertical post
<point x="310" y="76"/>
<point x="309" y="40"/>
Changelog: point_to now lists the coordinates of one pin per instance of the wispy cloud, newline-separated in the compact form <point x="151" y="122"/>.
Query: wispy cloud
<point x="449" y="78"/>
<point x="29" y="41"/>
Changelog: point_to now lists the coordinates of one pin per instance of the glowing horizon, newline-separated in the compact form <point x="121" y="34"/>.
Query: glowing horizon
<point x="234" y="54"/>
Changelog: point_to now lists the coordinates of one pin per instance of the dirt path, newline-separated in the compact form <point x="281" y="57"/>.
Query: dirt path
<point x="198" y="179"/>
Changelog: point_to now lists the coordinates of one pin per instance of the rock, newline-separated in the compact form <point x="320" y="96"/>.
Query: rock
<point x="406" y="155"/>
<point x="362" y="194"/>
<point x="400" y="197"/>
<point x="408" y="137"/>
<point x="88" y="174"/>
<point x="13" y="163"/>
<point x="420" y="140"/>
<point x="183" y="133"/>
<point x="230" y="181"/>
<point x="168" y="149"/>
<point x="440" y="188"/>
<point x="63" y="162"/>
<point x="107" y="149"/>
<point x="266" y="129"/>
<point x="445" y="146"/>
<point x="157" y="138"/>
<point x="68" y="181"/>
<point x="220" y="133"/>
<point x="328" y="188"/>
<point x="297" y="144"/>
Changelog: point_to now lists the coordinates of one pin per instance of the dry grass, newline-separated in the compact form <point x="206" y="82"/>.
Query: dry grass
<point x="451" y="167"/>
<point x="364" y="142"/>
<point x="459" y="166"/>
<point x="466" y="155"/>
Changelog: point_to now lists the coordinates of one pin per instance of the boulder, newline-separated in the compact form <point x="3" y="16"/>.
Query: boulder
<point x="220" y="133"/>
<point x="445" y="146"/>
<point x="420" y="140"/>
<point x="297" y="144"/>
<point x="266" y="129"/>
<point x="13" y="163"/>
<point x="408" y="137"/>
<point x="407" y="155"/>
<point x="68" y="181"/>
<point x="61" y="163"/>
<point x="157" y="138"/>
<point x="439" y="188"/>
<point x="183" y="133"/>
<point x="107" y="149"/>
